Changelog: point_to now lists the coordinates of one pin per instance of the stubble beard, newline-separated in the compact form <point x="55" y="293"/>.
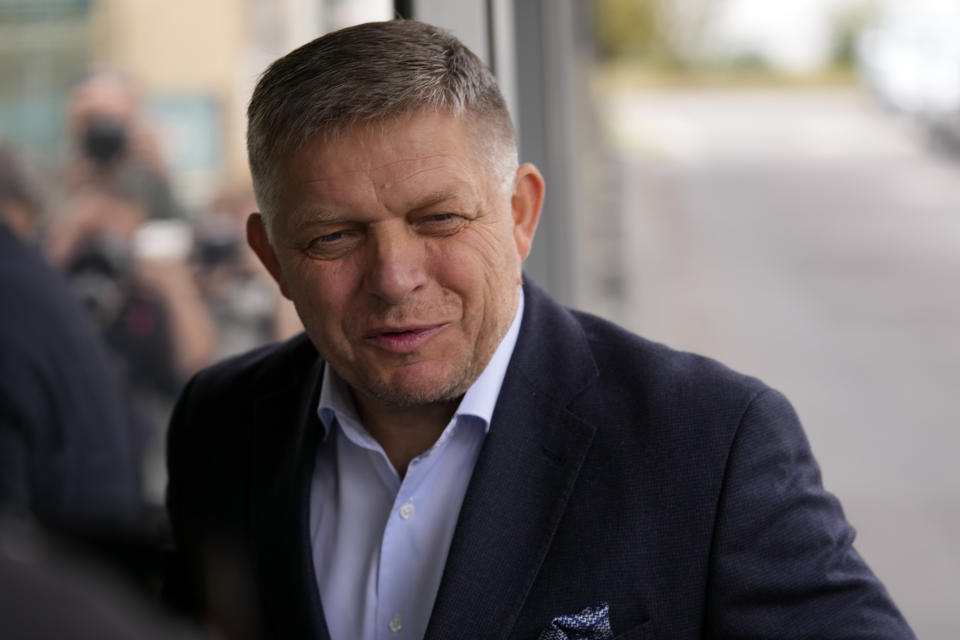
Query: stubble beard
<point x="462" y="376"/>
<point x="395" y="396"/>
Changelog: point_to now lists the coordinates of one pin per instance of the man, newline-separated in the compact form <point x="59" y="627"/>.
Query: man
<point x="451" y="454"/>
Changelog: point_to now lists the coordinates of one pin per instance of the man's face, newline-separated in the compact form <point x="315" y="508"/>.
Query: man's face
<point x="402" y="255"/>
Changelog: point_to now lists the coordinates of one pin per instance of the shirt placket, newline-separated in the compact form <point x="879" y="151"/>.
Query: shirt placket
<point x="397" y="577"/>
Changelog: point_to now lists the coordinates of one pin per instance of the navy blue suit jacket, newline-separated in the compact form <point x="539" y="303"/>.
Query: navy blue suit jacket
<point x="616" y="470"/>
<point x="69" y="440"/>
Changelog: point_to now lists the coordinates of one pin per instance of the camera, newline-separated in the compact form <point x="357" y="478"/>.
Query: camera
<point x="104" y="140"/>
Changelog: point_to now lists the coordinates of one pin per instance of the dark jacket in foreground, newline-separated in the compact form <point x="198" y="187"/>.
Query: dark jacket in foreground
<point x="615" y="471"/>
<point x="70" y="441"/>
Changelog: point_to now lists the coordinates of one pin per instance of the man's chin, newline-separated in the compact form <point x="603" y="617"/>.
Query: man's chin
<point x="409" y="389"/>
<point x="408" y="397"/>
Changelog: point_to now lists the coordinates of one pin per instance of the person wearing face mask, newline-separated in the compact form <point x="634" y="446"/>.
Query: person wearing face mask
<point x="113" y="146"/>
<point x="119" y="235"/>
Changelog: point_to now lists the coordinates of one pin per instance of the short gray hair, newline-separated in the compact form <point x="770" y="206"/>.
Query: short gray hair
<point x="371" y="74"/>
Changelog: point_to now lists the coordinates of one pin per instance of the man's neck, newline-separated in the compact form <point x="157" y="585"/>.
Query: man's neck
<point x="404" y="432"/>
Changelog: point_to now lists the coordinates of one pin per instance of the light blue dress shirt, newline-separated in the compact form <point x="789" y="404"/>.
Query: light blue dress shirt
<point x="380" y="543"/>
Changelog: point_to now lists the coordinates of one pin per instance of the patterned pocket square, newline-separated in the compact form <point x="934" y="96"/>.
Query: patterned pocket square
<point x="593" y="623"/>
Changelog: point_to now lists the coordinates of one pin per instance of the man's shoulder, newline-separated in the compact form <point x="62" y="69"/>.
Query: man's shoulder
<point x="645" y="382"/>
<point x="560" y="338"/>
<point x="214" y="423"/>
<point x="600" y="368"/>
<point x="272" y="366"/>
<point x="639" y="359"/>
<point x="221" y="399"/>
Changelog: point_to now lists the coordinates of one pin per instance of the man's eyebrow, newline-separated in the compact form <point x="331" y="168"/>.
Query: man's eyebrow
<point x="308" y="217"/>
<point x="438" y="196"/>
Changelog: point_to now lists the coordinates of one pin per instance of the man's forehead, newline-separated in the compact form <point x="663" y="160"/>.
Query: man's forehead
<point x="334" y="175"/>
<point x="328" y="207"/>
<point x="389" y="157"/>
<point x="427" y="147"/>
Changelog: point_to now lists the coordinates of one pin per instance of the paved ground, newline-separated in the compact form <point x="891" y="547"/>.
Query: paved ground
<point x="812" y="240"/>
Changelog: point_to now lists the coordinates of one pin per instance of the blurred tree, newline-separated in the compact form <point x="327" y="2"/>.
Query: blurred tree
<point x="626" y="28"/>
<point x="662" y="33"/>
<point x="847" y="23"/>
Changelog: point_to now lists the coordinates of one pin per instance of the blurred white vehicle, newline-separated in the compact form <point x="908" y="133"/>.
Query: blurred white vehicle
<point x="911" y="60"/>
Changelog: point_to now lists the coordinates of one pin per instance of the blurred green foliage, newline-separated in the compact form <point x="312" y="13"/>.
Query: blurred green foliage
<point x="624" y="28"/>
<point x="634" y="29"/>
<point x="847" y="23"/>
<point x="662" y="42"/>
<point x="658" y="33"/>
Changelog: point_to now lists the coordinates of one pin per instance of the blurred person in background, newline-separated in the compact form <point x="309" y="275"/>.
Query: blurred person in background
<point x="21" y="202"/>
<point x="113" y="147"/>
<point x="134" y="278"/>
<point x="246" y="308"/>
<point x="120" y="239"/>
<point x="70" y="443"/>
<point x="81" y="553"/>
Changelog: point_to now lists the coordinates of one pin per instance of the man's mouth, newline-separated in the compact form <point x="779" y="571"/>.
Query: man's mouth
<point x="402" y="340"/>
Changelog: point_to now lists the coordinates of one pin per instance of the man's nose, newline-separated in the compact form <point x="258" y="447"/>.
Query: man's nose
<point x="396" y="263"/>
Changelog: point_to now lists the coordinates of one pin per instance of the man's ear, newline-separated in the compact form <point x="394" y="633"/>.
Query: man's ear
<point x="260" y="243"/>
<point x="528" y="190"/>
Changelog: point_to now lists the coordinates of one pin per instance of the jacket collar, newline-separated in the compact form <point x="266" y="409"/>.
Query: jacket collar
<point x="283" y="453"/>
<point x="523" y="478"/>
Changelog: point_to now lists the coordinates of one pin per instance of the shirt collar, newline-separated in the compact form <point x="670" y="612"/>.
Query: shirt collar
<point x="478" y="402"/>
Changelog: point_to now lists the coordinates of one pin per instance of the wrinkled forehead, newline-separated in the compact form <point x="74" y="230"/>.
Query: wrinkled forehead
<point x="410" y="159"/>
<point x="475" y="129"/>
<point x="418" y="141"/>
<point x="486" y="153"/>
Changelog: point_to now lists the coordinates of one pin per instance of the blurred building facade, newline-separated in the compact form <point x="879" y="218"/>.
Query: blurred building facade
<point x="196" y="65"/>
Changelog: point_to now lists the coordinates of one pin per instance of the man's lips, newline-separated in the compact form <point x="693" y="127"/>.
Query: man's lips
<point x="402" y="339"/>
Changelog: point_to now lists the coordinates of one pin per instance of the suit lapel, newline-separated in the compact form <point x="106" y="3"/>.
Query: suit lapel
<point x="284" y="448"/>
<point x="523" y="478"/>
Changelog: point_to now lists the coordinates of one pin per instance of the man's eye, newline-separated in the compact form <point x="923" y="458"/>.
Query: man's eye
<point x="330" y="237"/>
<point x="332" y="245"/>
<point x="327" y="239"/>
<point x="440" y="224"/>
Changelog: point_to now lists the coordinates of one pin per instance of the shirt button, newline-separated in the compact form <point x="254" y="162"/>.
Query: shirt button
<point x="395" y="624"/>
<point x="406" y="511"/>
